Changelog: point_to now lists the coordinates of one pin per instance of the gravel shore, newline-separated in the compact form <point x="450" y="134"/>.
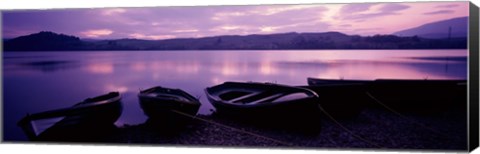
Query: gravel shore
<point x="372" y="128"/>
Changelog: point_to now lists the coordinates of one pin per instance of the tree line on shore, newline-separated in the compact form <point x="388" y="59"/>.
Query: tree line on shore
<point x="50" y="41"/>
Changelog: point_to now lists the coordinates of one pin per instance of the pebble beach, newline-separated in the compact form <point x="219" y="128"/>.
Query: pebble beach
<point x="374" y="128"/>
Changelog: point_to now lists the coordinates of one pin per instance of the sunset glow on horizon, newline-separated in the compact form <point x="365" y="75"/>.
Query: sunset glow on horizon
<point x="157" y="23"/>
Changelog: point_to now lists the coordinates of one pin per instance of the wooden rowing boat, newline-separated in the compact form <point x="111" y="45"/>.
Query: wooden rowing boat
<point x="409" y="94"/>
<point x="173" y="105"/>
<point x="266" y="103"/>
<point x="83" y="121"/>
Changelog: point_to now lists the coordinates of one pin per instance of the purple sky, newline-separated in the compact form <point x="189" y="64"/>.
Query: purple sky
<point x="180" y="22"/>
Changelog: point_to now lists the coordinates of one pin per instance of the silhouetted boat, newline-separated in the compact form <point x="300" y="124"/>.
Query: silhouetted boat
<point x="318" y="81"/>
<point x="85" y="120"/>
<point x="409" y="94"/>
<point x="341" y="100"/>
<point x="160" y="103"/>
<point x="266" y="102"/>
<point x="423" y="82"/>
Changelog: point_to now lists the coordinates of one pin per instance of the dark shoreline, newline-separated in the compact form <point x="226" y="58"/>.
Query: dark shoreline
<point x="50" y="41"/>
<point x="373" y="128"/>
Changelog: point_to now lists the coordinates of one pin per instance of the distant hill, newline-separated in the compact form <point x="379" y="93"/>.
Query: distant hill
<point x="439" y="29"/>
<point x="49" y="41"/>
<point x="44" y="41"/>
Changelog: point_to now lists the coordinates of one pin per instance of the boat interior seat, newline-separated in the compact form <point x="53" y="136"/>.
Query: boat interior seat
<point x="245" y="97"/>
<point x="168" y="96"/>
<point x="291" y="96"/>
<point x="268" y="98"/>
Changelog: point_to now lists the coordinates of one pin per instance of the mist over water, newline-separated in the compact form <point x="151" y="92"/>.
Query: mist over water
<point x="40" y="81"/>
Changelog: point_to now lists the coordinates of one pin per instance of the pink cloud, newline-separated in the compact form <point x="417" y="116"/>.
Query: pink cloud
<point x="367" y="11"/>
<point x="97" y="33"/>
<point x="181" y="22"/>
<point x="439" y="12"/>
<point x="387" y="18"/>
<point x="185" y="31"/>
<point x="151" y="37"/>
<point x="115" y="11"/>
<point x="448" y="6"/>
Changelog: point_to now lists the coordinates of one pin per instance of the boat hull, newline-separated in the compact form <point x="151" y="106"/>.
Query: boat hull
<point x="420" y="96"/>
<point x="322" y="82"/>
<point x="177" y="109"/>
<point x="89" y="120"/>
<point x="303" y="113"/>
<point x="341" y="100"/>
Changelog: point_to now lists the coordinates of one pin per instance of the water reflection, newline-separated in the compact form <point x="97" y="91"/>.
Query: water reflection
<point x="267" y="68"/>
<point x="230" y="68"/>
<point x="379" y="71"/>
<point x="445" y="59"/>
<point x="369" y="70"/>
<point x="61" y="79"/>
<point x="182" y="67"/>
<point x="187" y="67"/>
<point x="43" y="66"/>
<point x="100" y="68"/>
<point x="111" y="87"/>
<point x="138" y="66"/>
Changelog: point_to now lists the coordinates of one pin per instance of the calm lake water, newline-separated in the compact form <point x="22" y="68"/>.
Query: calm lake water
<point x="40" y="81"/>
